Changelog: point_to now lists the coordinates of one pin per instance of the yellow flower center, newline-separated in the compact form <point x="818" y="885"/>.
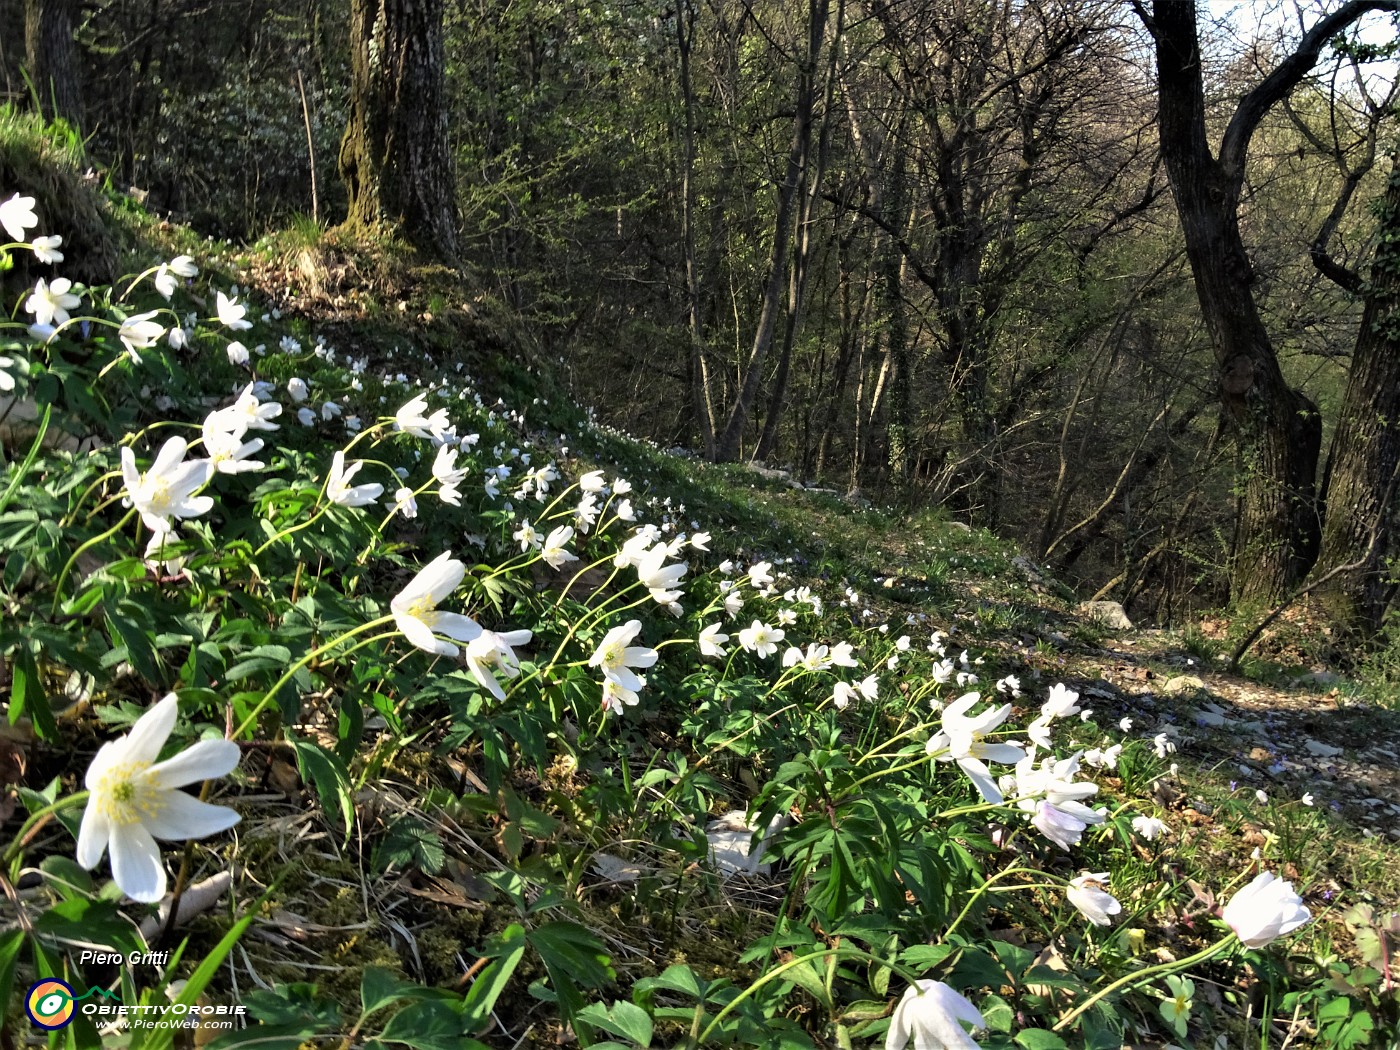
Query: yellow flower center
<point x="126" y="794"/>
<point x="613" y="655"/>
<point x="158" y="494"/>
<point x="423" y="609"/>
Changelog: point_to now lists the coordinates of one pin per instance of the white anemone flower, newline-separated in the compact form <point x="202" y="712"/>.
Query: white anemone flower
<point x="933" y="1015"/>
<point x="712" y="640"/>
<point x="445" y="468"/>
<point x="135" y="800"/>
<point x="963" y="740"/>
<point x="1265" y="910"/>
<point x="405" y="502"/>
<point x="51" y="300"/>
<point x="230" y="454"/>
<point x="252" y="413"/>
<point x="528" y="537"/>
<point x="661" y="581"/>
<point x="231" y="313"/>
<point x="633" y="550"/>
<point x="1150" y="828"/>
<point x="158" y="557"/>
<point x="760" y="575"/>
<point x="592" y="482"/>
<point x="167" y="490"/>
<point x="1054" y="800"/>
<point x="616" y="697"/>
<point x="760" y="639"/>
<point x="491" y="651"/>
<point x="18" y="217"/>
<point x="842" y="695"/>
<point x="1087" y="893"/>
<point x="616" y="658"/>
<point x="416" y="612"/>
<point x="414" y="418"/>
<point x="340" y="491"/>
<point x="7" y="381"/>
<point x="184" y="266"/>
<point x="165" y="281"/>
<point x="298" y="390"/>
<point x="553" y="552"/>
<point x="843" y="654"/>
<point x="138" y="332"/>
<point x="46" y="249"/>
<point x="1061" y="702"/>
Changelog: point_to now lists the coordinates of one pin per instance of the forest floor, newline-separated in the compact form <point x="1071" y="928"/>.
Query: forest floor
<point x="1290" y="759"/>
<point x="1292" y="763"/>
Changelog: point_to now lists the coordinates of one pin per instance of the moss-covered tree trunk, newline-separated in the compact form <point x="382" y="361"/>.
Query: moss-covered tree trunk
<point x="51" y="57"/>
<point x="394" y="156"/>
<point x="1361" y="492"/>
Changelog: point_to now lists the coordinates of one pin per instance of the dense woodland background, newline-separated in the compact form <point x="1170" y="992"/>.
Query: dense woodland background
<point x="1089" y="272"/>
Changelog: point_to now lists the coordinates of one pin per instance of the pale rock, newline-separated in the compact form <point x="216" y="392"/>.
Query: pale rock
<point x="730" y="838"/>
<point x="1105" y="614"/>
<point x="1185" y="683"/>
<point x="1321" y="750"/>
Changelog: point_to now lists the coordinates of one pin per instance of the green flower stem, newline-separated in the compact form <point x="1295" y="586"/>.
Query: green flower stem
<point x="93" y="542"/>
<point x="73" y="514"/>
<point x="16" y="847"/>
<point x="319" y="508"/>
<point x="921" y="760"/>
<point x="320" y="512"/>
<point x="367" y="432"/>
<point x="333" y="643"/>
<point x="920" y="727"/>
<point x="973" y="897"/>
<point x="579" y="575"/>
<point x="593" y="614"/>
<point x="29" y="457"/>
<point x="842" y="951"/>
<point x="1143" y="976"/>
<point x="986" y="887"/>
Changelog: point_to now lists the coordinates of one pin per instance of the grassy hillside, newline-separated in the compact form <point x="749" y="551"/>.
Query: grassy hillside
<point x="537" y="734"/>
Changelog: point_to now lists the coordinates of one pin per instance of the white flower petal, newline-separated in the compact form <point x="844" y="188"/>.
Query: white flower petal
<point x="93" y="834"/>
<point x="151" y="731"/>
<point x="183" y="816"/>
<point x="136" y="866"/>
<point x="203" y="761"/>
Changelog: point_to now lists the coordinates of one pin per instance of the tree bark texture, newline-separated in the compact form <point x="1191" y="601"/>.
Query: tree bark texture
<point x="729" y="439"/>
<point x="1277" y="429"/>
<point x="51" y="57"/>
<point x="394" y="157"/>
<point x="1360" y="489"/>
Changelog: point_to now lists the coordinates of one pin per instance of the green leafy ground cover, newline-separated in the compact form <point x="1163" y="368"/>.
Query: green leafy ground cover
<point x="506" y="844"/>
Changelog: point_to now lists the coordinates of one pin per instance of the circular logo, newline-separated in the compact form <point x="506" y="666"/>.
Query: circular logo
<point x="49" y="1004"/>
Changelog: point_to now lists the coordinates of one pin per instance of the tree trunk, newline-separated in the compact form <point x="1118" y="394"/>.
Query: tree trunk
<point x="811" y="187"/>
<point x="1361" y="468"/>
<point x="728" y="441"/>
<point x="1277" y="429"/>
<point x="394" y="156"/>
<point x="703" y="405"/>
<point x="52" y="57"/>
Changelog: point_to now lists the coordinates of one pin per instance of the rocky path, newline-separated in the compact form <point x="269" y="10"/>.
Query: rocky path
<point x="1309" y="739"/>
